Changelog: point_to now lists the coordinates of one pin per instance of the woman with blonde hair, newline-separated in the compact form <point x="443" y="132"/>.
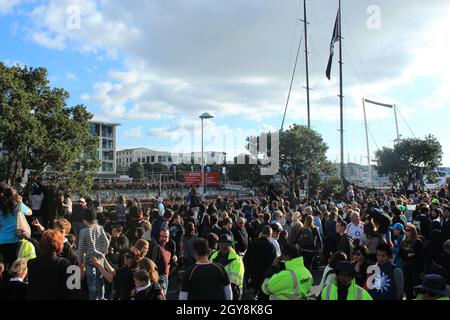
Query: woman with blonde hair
<point x="309" y="241"/>
<point x="149" y="266"/>
<point x="147" y="288"/>
<point x="296" y="226"/>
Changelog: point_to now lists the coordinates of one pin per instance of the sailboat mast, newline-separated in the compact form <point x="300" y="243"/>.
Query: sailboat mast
<point x="367" y="139"/>
<point x="341" y="93"/>
<point x="305" y="26"/>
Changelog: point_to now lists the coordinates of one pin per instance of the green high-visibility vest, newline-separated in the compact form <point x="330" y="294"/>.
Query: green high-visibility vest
<point x="355" y="292"/>
<point x="235" y="267"/>
<point x="294" y="283"/>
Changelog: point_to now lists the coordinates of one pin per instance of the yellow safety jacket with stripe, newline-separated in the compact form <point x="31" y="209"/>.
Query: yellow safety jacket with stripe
<point x="293" y="283"/>
<point x="355" y="292"/>
<point x="234" y="268"/>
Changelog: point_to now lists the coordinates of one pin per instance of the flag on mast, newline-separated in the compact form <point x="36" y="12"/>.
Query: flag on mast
<point x="336" y="38"/>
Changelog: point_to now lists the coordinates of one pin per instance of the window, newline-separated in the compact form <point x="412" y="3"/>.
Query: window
<point x="107" y="131"/>
<point x="169" y="159"/>
<point x="94" y="129"/>
<point x="148" y="159"/>
<point x="162" y="159"/>
<point x="108" y="155"/>
<point x="107" y="167"/>
<point x="153" y="159"/>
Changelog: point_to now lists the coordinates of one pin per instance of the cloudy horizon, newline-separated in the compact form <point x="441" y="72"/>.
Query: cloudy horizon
<point x="155" y="66"/>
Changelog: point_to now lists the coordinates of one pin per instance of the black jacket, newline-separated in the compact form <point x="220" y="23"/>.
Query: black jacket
<point x="47" y="278"/>
<point x="258" y="260"/>
<point x="345" y="244"/>
<point x="154" y="292"/>
<point x="446" y="229"/>
<point x="13" y="291"/>
<point x="241" y="238"/>
<point x="418" y="248"/>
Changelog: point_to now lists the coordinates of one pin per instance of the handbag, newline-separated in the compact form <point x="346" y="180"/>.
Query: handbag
<point x="23" y="228"/>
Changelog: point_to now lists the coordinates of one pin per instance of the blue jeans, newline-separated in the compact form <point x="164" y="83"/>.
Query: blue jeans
<point x="95" y="282"/>
<point x="164" y="282"/>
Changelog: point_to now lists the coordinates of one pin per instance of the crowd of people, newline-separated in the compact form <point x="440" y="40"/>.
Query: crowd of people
<point x="365" y="245"/>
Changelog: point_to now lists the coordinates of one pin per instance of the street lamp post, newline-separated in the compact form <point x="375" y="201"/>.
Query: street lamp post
<point x="204" y="116"/>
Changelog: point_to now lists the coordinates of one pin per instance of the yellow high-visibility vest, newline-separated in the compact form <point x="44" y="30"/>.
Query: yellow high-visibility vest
<point x="294" y="283"/>
<point x="355" y="292"/>
<point x="235" y="268"/>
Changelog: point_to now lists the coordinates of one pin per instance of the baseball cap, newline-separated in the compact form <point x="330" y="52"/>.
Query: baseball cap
<point x="345" y="266"/>
<point x="398" y="226"/>
<point x="82" y="200"/>
<point x="225" y="238"/>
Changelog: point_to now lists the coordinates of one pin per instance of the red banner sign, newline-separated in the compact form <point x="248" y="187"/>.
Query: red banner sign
<point x="195" y="178"/>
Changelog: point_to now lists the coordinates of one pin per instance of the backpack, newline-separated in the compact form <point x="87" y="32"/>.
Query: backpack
<point x="306" y="238"/>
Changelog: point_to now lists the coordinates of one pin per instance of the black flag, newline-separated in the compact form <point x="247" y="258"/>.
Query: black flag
<point x="336" y="38"/>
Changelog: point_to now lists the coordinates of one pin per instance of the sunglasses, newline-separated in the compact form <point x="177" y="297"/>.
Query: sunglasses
<point x="407" y="229"/>
<point x="129" y="256"/>
<point x="357" y="254"/>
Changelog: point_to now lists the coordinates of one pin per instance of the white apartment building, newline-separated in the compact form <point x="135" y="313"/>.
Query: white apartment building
<point x="143" y="155"/>
<point x="107" y="146"/>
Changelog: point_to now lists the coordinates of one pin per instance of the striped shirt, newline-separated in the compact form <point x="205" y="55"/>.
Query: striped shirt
<point x="93" y="241"/>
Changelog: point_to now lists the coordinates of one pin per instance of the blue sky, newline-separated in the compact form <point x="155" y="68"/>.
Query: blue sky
<point x="154" y="66"/>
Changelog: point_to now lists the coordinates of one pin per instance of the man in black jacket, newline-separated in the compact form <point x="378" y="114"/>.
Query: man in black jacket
<point x="345" y="242"/>
<point x="240" y="236"/>
<point x="259" y="258"/>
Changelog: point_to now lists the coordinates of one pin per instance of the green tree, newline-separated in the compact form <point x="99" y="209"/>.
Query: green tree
<point x="331" y="186"/>
<point x="302" y="156"/>
<point x="155" y="167"/>
<point x="409" y="160"/>
<point x="41" y="132"/>
<point x="136" y="171"/>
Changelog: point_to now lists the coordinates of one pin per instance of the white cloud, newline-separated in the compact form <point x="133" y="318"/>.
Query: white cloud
<point x="46" y="40"/>
<point x="70" y="76"/>
<point x="133" y="133"/>
<point x="235" y="58"/>
<point x="7" y="5"/>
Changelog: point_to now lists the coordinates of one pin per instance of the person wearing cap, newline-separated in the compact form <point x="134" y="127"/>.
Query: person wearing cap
<point x="433" y="287"/>
<point x="232" y="263"/>
<point x="398" y="234"/>
<point x="276" y="230"/>
<point x="344" y="287"/>
<point x="293" y="281"/>
<point x="259" y="258"/>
